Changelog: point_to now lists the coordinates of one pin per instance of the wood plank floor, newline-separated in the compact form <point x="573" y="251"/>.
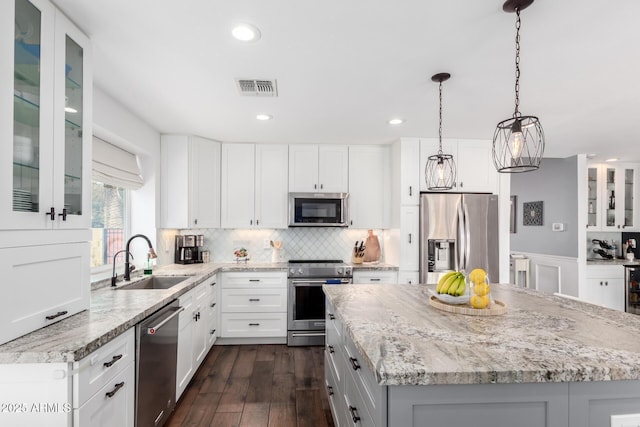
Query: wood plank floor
<point x="257" y="385"/>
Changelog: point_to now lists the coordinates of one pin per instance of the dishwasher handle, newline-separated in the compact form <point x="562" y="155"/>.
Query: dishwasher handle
<point x="152" y="330"/>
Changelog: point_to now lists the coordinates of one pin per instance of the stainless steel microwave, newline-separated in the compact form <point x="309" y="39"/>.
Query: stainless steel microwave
<point x="318" y="209"/>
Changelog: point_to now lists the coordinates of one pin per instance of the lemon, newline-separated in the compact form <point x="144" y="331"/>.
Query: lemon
<point x="479" y="301"/>
<point x="481" y="289"/>
<point x="478" y="275"/>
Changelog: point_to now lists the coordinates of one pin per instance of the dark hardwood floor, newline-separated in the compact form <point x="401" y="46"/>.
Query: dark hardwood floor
<point x="257" y="385"/>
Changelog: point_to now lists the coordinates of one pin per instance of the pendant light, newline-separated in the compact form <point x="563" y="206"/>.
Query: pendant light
<point x="518" y="142"/>
<point x="440" y="171"/>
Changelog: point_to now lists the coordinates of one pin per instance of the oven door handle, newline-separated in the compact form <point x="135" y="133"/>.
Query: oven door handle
<point x="322" y="282"/>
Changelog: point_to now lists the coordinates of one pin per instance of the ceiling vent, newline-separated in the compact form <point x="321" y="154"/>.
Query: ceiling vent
<point x="254" y="87"/>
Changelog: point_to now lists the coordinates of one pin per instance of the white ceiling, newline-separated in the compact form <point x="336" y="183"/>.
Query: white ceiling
<point x="345" y="67"/>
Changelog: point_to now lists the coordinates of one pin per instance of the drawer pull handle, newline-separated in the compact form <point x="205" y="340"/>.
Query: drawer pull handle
<point x="115" y="390"/>
<point x="254" y="280"/>
<point x="254" y="299"/>
<point x="114" y="360"/>
<point x="213" y="283"/>
<point x="213" y="331"/>
<point x="354" y="414"/>
<point x="58" y="314"/>
<point x="330" y="390"/>
<point x="331" y="317"/>
<point x="213" y="304"/>
<point x="331" y="350"/>
<point x="354" y="363"/>
<point x="254" y="324"/>
<point x="375" y="279"/>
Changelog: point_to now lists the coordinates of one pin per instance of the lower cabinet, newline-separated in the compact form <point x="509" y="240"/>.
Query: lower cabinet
<point x="604" y="285"/>
<point x="97" y="391"/>
<point x="374" y="276"/>
<point x="408" y="277"/>
<point x="196" y="330"/>
<point x="253" y="305"/>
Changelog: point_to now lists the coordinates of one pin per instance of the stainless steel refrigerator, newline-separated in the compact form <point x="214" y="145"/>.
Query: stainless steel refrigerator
<point x="458" y="232"/>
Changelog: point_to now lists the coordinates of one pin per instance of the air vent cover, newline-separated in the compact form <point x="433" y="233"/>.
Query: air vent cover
<point x="257" y="87"/>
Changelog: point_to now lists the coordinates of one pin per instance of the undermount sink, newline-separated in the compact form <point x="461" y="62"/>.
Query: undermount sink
<point x="155" y="282"/>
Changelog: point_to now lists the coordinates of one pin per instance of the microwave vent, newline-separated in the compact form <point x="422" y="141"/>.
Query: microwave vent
<point x="257" y="87"/>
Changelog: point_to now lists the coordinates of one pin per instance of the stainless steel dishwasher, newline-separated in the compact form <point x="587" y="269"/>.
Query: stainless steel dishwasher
<point x="156" y="357"/>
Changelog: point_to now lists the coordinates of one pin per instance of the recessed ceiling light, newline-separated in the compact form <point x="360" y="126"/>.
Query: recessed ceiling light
<point x="396" y="121"/>
<point x="613" y="159"/>
<point x="264" y="117"/>
<point x="246" y="33"/>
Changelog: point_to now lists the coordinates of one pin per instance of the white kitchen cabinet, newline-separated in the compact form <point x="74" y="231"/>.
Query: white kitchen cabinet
<point x="409" y="238"/>
<point x="409" y="171"/>
<point x="369" y="186"/>
<point x="194" y="332"/>
<point x="45" y="166"/>
<point x="611" y="205"/>
<point x="42" y="285"/>
<point x="190" y="182"/>
<point x="253" y="305"/>
<point x="475" y="172"/>
<point x="254" y="186"/>
<point x="104" y="385"/>
<point x="318" y="168"/>
<point x="374" y="277"/>
<point x="211" y="312"/>
<point x="604" y="285"/>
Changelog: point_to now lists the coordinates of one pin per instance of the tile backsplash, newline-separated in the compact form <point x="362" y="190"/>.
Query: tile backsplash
<point x="297" y="243"/>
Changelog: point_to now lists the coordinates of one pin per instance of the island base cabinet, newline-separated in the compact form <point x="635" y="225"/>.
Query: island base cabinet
<point x="592" y="404"/>
<point x="480" y="405"/>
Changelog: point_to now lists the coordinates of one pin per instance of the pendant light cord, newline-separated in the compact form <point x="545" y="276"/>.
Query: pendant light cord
<point x="440" y="122"/>
<point x="516" y="113"/>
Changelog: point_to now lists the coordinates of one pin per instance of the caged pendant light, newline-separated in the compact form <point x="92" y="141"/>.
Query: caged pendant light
<point x="440" y="170"/>
<point x="518" y="142"/>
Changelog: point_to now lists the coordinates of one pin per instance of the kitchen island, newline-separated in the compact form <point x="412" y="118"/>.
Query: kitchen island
<point x="393" y="360"/>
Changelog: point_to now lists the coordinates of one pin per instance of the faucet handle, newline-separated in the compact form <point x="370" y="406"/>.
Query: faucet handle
<point x="131" y="268"/>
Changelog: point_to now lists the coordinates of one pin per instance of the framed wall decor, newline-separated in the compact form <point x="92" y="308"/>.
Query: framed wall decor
<point x="532" y="213"/>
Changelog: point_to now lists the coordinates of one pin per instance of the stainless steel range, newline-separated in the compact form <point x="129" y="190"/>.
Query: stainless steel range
<point x="306" y="300"/>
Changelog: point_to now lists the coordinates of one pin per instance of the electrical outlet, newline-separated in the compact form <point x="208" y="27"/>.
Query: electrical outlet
<point x="628" y="420"/>
<point x="266" y="244"/>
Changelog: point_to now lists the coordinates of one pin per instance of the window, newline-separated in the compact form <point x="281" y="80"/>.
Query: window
<point x="109" y="222"/>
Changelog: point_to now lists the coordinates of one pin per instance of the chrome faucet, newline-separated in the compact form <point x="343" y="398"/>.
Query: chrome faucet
<point x="152" y="254"/>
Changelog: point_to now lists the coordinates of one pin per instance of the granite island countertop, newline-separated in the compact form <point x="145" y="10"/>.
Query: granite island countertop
<point x="541" y="338"/>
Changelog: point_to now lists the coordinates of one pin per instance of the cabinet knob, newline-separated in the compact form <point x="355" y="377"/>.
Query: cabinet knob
<point x="195" y="221"/>
<point x="410" y="190"/>
<point x="257" y="222"/>
<point x="315" y="186"/>
<point x="321" y="186"/>
<point x="250" y="222"/>
<point x="409" y="237"/>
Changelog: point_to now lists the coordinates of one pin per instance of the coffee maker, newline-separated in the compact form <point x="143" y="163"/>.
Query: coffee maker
<point x="188" y="249"/>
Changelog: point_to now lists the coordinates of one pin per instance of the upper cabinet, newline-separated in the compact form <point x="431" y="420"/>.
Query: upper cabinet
<point x="611" y="205"/>
<point x="254" y="186"/>
<point x="45" y="119"/>
<point x="318" y="168"/>
<point x="369" y="184"/>
<point x="190" y="177"/>
<point x="475" y="172"/>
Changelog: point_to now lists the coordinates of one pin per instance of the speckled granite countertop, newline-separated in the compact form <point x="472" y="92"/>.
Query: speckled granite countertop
<point x="112" y="312"/>
<point x="616" y="261"/>
<point x="542" y="338"/>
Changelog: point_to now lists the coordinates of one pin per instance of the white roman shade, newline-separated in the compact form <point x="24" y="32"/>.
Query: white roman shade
<point x="115" y="166"/>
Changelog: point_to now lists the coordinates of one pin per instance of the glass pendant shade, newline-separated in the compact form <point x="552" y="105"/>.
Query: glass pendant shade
<point x="518" y="144"/>
<point x="440" y="172"/>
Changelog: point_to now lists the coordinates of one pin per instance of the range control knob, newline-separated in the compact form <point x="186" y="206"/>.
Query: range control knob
<point x="340" y="271"/>
<point x="292" y="271"/>
<point x="300" y="271"/>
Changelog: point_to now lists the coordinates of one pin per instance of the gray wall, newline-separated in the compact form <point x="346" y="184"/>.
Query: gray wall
<point x="556" y="185"/>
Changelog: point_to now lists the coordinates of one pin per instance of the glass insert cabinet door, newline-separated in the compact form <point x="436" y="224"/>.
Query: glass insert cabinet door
<point x="593" y="207"/>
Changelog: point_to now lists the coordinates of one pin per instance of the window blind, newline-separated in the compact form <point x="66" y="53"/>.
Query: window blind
<point x="115" y="166"/>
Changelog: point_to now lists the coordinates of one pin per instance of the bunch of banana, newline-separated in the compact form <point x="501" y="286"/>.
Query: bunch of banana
<point x="452" y="283"/>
